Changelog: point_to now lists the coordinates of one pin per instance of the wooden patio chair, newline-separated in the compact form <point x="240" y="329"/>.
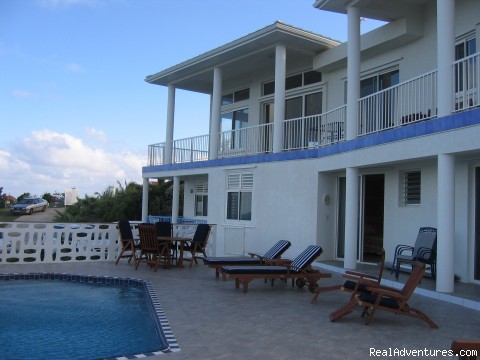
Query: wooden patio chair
<point x="275" y="252"/>
<point x="151" y="251"/>
<point x="388" y="299"/>
<point x="299" y="270"/>
<point x="198" y="243"/>
<point x="424" y="250"/>
<point x="466" y="349"/>
<point x="356" y="282"/>
<point x="129" y="244"/>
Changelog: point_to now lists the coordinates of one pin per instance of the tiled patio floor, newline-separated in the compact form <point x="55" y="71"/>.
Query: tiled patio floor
<point x="213" y="320"/>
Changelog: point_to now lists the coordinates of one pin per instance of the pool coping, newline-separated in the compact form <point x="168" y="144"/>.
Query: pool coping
<point x="160" y="317"/>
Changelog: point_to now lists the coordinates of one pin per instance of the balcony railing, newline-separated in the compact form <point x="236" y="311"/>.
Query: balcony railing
<point x="191" y="149"/>
<point x="314" y="131"/>
<point x="411" y="101"/>
<point x="156" y="154"/>
<point x="247" y="141"/>
<point x="466" y="77"/>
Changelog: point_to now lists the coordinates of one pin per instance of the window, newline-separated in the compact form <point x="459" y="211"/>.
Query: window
<point x="231" y="121"/>
<point x="465" y="70"/>
<point x="239" y="196"/>
<point x="411" y="182"/>
<point x="201" y="199"/>
<point x="294" y="81"/>
<point x="236" y="96"/>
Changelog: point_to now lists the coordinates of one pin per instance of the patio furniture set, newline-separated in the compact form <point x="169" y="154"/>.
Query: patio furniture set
<point x="157" y="245"/>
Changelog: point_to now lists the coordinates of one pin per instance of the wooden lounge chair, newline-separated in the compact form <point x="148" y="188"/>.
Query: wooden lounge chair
<point x="255" y="259"/>
<point x="151" y="251"/>
<point x="198" y="243"/>
<point x="424" y="250"/>
<point x="388" y="299"/>
<point x="299" y="269"/>
<point x="129" y="244"/>
<point x="356" y="282"/>
<point x="466" y="349"/>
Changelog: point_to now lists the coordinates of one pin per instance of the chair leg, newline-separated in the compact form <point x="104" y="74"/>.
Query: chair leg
<point x="324" y="289"/>
<point x="344" y="310"/>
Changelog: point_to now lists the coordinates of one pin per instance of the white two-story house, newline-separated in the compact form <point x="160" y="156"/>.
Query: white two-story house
<point x="352" y="146"/>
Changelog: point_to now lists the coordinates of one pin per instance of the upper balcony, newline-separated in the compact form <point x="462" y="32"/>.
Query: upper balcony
<point x="409" y="102"/>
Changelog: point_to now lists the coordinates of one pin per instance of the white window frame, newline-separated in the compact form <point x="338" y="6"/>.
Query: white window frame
<point x="405" y="188"/>
<point x="201" y="190"/>
<point x="239" y="182"/>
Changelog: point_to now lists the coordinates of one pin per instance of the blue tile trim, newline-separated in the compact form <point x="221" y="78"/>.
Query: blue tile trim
<point x="161" y="319"/>
<point x="428" y="127"/>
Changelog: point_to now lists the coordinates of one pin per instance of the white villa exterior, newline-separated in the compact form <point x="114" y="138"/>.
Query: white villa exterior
<point x="352" y="146"/>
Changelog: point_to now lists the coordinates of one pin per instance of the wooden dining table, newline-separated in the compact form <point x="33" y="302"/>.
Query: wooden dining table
<point x="176" y="240"/>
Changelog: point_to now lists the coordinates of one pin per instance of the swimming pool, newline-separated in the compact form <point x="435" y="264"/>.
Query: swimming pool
<point x="63" y="316"/>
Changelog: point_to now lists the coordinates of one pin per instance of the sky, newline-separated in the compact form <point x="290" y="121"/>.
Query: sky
<point x="75" y="110"/>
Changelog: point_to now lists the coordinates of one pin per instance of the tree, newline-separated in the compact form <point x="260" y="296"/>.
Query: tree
<point x="124" y="202"/>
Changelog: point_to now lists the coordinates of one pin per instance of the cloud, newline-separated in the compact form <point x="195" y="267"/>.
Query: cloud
<point x="48" y="161"/>
<point x="74" y="68"/>
<point x="23" y="94"/>
<point x="97" y="134"/>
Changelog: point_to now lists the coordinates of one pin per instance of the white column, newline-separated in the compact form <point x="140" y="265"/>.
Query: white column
<point x="445" y="55"/>
<point x="351" y="219"/>
<point x="445" y="222"/>
<point x="353" y="71"/>
<point x="175" y="199"/>
<point x="215" y="114"/>
<point x="146" y="184"/>
<point x="279" y="101"/>
<point x="170" y="125"/>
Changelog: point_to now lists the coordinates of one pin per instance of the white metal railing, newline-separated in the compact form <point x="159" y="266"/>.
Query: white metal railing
<point x="57" y="243"/>
<point x="191" y="149"/>
<point x="411" y="101"/>
<point x="156" y="154"/>
<point x="466" y="77"/>
<point x="314" y="131"/>
<point x="247" y="141"/>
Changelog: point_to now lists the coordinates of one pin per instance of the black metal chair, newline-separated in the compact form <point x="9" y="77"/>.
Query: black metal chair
<point x="424" y="250"/>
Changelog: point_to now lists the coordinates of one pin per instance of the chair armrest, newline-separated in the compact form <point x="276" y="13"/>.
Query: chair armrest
<point x="255" y="255"/>
<point x="389" y="292"/>
<point x="362" y="281"/>
<point x="461" y="344"/>
<point x="353" y="275"/>
<point x="424" y="253"/>
<point x="399" y="249"/>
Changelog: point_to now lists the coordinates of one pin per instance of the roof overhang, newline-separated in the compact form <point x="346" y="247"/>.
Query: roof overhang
<point x="385" y="10"/>
<point x="246" y="55"/>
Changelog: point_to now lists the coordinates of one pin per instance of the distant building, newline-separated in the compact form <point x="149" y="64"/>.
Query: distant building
<point x="71" y="196"/>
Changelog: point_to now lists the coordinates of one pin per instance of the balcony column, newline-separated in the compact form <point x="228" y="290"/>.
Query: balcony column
<point x="445" y="55"/>
<point x="146" y="184"/>
<point x="445" y="222"/>
<point x="215" y="113"/>
<point x="175" y="199"/>
<point x="279" y="101"/>
<point x="351" y="219"/>
<point x="353" y="71"/>
<point x="170" y="125"/>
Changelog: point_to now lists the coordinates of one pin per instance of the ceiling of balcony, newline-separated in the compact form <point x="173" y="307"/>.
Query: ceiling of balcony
<point x="250" y="54"/>
<point x="385" y="10"/>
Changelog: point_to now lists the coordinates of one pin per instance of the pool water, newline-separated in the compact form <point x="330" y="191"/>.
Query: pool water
<point x="54" y="319"/>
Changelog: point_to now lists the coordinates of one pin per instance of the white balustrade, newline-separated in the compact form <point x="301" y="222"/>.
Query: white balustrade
<point x="55" y="243"/>
<point x="466" y="73"/>
<point x="246" y="141"/>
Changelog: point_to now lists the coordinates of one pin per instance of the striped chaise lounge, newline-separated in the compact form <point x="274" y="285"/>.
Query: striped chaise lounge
<point x="299" y="269"/>
<point x="255" y="259"/>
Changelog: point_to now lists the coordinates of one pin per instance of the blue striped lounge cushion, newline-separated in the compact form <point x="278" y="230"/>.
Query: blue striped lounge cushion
<point x="306" y="257"/>
<point x="277" y="249"/>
